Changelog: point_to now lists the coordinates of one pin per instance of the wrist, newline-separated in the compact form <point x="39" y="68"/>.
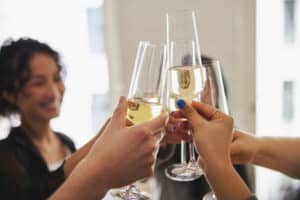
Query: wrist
<point x="222" y="178"/>
<point x="85" y="179"/>
<point x="259" y="150"/>
<point x="215" y="163"/>
<point x="95" y="178"/>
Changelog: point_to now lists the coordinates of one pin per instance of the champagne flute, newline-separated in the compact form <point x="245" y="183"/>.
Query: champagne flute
<point x="184" y="80"/>
<point x="213" y="94"/>
<point x="144" y="98"/>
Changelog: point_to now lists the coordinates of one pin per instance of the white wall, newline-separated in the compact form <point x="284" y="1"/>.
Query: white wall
<point x="227" y="32"/>
<point x="277" y="61"/>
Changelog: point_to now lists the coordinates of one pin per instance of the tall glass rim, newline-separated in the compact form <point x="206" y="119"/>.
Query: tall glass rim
<point x="182" y="12"/>
<point x="216" y="67"/>
<point x="140" y="53"/>
<point x="144" y="46"/>
<point x="196" y="56"/>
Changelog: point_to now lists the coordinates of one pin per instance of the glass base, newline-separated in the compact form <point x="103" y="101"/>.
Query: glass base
<point x="184" y="172"/>
<point x="130" y="193"/>
<point x="209" y="196"/>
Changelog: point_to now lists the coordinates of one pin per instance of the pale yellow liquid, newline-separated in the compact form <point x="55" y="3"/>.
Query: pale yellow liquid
<point x="143" y="109"/>
<point x="185" y="82"/>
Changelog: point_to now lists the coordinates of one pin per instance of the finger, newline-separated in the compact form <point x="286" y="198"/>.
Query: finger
<point x="204" y="109"/>
<point x="177" y="114"/>
<point x="181" y="129"/>
<point x="237" y="160"/>
<point x="175" y="119"/>
<point x="186" y="137"/>
<point x="190" y="113"/>
<point x="176" y="138"/>
<point x="175" y="132"/>
<point x="177" y="125"/>
<point x="234" y="148"/>
<point x="157" y="123"/>
<point x="119" y="116"/>
<point x="159" y="135"/>
<point x="184" y="125"/>
<point x="128" y="122"/>
<point x="171" y="128"/>
<point x="171" y="140"/>
<point x="235" y="135"/>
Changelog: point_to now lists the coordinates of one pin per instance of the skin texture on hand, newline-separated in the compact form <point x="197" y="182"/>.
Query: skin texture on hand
<point x="207" y="137"/>
<point x="177" y="129"/>
<point x="243" y="148"/>
<point x="213" y="135"/>
<point x="120" y="156"/>
<point x="277" y="153"/>
<point x="76" y="157"/>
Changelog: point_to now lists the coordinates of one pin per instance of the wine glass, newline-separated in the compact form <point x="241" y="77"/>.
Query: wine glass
<point x="213" y="94"/>
<point x="185" y="80"/>
<point x="144" y="99"/>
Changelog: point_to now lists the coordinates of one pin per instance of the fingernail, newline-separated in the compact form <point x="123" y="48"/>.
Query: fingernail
<point x="180" y="103"/>
<point x="174" y="128"/>
<point x="184" y="125"/>
<point x="121" y="99"/>
<point x="172" y="113"/>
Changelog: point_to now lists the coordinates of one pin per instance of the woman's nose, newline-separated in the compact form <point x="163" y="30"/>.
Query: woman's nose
<point x="53" y="90"/>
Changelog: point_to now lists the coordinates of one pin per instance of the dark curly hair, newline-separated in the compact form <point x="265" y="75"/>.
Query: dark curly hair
<point x="15" y="57"/>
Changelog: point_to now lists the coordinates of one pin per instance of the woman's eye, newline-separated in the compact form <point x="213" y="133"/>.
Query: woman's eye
<point x="38" y="83"/>
<point x="57" y="79"/>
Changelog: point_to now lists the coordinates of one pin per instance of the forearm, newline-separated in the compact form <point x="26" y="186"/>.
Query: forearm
<point x="71" y="162"/>
<point x="281" y="154"/>
<point x="76" y="157"/>
<point x="82" y="184"/>
<point x="226" y="182"/>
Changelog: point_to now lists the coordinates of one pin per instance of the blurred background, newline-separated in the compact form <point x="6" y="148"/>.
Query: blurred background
<point x="257" y="43"/>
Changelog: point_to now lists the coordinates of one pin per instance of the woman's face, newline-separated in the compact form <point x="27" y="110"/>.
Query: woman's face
<point x="42" y="94"/>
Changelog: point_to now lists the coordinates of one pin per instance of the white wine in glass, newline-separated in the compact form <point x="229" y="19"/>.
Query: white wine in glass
<point x="142" y="109"/>
<point x="184" y="82"/>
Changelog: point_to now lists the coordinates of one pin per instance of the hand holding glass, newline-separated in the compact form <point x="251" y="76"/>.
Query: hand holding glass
<point x="144" y="98"/>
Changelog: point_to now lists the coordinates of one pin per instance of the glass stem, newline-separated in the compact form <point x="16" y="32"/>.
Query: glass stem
<point x="183" y="152"/>
<point x="192" y="151"/>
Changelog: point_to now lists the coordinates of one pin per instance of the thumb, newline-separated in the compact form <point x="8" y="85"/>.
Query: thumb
<point x="119" y="115"/>
<point x="189" y="112"/>
<point x="234" y="148"/>
<point x="157" y="123"/>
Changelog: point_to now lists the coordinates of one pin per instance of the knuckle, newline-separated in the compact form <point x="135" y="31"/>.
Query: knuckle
<point x="151" y="160"/>
<point x="117" y="111"/>
<point x="151" y="147"/>
<point x="150" y="171"/>
<point x="188" y="110"/>
<point x="230" y="120"/>
<point x="144" y="133"/>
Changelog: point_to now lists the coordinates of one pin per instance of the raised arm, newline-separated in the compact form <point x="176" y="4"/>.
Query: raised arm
<point x="121" y="155"/>
<point x="76" y="157"/>
<point x="277" y="153"/>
